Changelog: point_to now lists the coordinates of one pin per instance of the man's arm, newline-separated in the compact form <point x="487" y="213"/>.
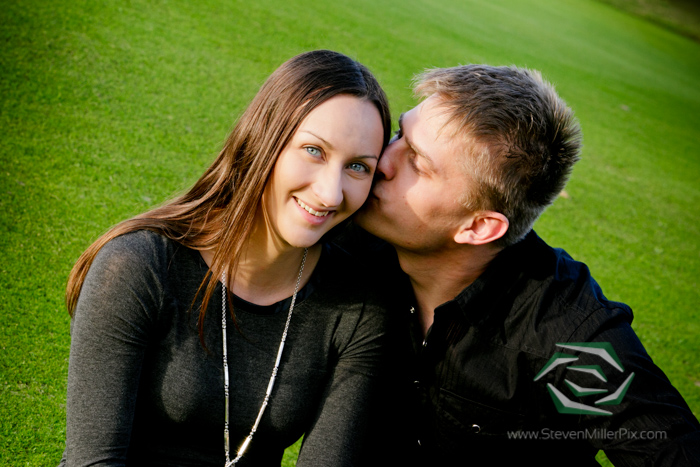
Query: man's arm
<point x="650" y="423"/>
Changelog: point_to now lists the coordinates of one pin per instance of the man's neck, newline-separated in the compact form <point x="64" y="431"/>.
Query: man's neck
<point x="438" y="277"/>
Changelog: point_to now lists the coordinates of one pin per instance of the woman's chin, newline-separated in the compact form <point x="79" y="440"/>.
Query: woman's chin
<point x="305" y="241"/>
<point x="309" y="239"/>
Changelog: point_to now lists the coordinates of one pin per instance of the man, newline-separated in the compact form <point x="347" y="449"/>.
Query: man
<point x="516" y="354"/>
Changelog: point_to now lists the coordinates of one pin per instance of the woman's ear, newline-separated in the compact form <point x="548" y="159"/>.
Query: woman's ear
<point x="482" y="227"/>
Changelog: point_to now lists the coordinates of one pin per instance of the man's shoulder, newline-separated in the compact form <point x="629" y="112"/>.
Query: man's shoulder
<point x="546" y="270"/>
<point x="573" y="286"/>
<point x="553" y="297"/>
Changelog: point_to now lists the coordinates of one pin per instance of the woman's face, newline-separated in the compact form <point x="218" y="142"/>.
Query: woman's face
<point x="325" y="172"/>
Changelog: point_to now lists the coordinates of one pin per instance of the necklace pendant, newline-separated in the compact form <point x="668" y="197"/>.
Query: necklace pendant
<point x="224" y="299"/>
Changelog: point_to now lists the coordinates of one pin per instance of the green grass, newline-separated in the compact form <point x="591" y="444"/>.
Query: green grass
<point x="107" y="108"/>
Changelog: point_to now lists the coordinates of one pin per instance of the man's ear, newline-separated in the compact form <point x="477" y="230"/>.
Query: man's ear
<point x="482" y="227"/>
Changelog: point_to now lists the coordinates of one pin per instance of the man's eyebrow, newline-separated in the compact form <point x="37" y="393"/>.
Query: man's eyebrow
<point x="418" y="151"/>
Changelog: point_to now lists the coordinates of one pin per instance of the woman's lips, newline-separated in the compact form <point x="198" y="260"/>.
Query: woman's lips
<point x="312" y="215"/>
<point x="310" y="210"/>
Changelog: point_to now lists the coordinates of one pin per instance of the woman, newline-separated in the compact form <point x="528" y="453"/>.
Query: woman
<point x="163" y="369"/>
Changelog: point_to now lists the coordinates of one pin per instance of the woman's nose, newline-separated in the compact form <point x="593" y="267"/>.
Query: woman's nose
<point x="328" y="187"/>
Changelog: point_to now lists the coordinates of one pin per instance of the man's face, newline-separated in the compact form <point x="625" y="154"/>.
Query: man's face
<point x="415" y="203"/>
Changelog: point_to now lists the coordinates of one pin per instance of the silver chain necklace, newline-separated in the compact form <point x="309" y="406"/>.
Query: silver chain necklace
<point x="270" y="385"/>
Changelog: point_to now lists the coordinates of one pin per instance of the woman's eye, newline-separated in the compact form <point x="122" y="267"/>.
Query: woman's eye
<point x="358" y="167"/>
<point x="316" y="152"/>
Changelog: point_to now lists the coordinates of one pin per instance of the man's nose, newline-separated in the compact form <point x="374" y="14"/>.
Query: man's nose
<point x="386" y="169"/>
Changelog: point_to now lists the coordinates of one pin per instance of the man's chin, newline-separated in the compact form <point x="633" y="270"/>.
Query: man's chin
<point x="360" y="218"/>
<point x="363" y="217"/>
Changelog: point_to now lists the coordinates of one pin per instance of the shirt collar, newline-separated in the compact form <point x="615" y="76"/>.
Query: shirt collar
<point x="477" y="302"/>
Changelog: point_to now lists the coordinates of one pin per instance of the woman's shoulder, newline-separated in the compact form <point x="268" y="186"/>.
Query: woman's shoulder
<point x="141" y="252"/>
<point x="346" y="279"/>
<point x="348" y="304"/>
<point x="338" y="265"/>
<point x="139" y="242"/>
<point x="375" y="257"/>
<point x="146" y="264"/>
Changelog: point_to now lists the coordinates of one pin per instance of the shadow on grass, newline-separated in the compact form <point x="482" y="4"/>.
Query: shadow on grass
<point x="680" y="16"/>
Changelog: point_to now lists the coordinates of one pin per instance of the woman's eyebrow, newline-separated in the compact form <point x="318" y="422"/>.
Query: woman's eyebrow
<point x="330" y="146"/>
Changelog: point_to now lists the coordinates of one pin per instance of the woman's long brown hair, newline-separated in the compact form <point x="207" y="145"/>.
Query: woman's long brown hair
<point x="218" y="211"/>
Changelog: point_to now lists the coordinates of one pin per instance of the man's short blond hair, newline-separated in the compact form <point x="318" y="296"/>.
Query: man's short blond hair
<point x="522" y="139"/>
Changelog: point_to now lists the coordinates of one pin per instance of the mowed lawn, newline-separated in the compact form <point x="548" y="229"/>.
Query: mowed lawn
<point x="108" y="108"/>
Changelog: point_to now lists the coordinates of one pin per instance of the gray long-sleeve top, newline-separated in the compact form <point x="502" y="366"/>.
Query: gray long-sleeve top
<point x="143" y="391"/>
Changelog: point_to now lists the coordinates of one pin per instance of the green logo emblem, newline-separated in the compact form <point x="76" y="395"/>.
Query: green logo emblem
<point x="602" y="350"/>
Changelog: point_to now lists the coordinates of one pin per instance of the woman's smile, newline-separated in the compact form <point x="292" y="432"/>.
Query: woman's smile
<point x="310" y="210"/>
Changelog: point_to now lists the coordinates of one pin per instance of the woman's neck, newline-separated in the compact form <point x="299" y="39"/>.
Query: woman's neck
<point x="267" y="273"/>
